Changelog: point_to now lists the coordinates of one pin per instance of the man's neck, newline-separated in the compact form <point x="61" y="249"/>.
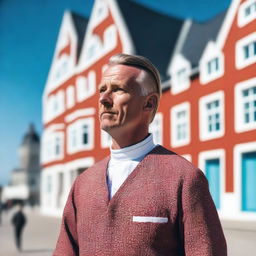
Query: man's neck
<point x="126" y="140"/>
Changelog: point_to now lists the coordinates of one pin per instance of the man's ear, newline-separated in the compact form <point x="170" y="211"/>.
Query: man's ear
<point x="150" y="102"/>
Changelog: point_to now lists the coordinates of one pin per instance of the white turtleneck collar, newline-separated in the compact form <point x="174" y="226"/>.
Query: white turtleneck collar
<point x="134" y="152"/>
<point x="123" y="161"/>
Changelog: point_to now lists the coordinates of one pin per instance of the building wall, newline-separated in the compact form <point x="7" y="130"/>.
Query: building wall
<point x="221" y="155"/>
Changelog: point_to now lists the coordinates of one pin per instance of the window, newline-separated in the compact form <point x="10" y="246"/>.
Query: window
<point x="80" y="135"/>
<point x="180" y="125"/>
<point x="211" y="108"/>
<point x="57" y="146"/>
<point x="249" y="50"/>
<point x="213" y="116"/>
<point x="245" y="105"/>
<point x="70" y="96"/>
<point x="94" y="48"/>
<point x="110" y="37"/>
<point x="156" y="128"/>
<point x="246" y="13"/>
<point x="63" y="67"/>
<point x="179" y="71"/>
<point x="246" y="51"/>
<point x="91" y="82"/>
<point x="81" y="88"/>
<point x="85" y="134"/>
<point x="52" y="146"/>
<point x="211" y="64"/>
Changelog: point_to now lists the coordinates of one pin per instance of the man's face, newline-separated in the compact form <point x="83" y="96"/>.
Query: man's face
<point x="120" y="102"/>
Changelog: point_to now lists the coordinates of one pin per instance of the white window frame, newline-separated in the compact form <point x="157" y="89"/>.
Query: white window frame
<point x="70" y="96"/>
<point x="91" y="80"/>
<point x="211" y="52"/>
<point x="157" y="126"/>
<point x="239" y="149"/>
<point x="49" y="145"/>
<point x="213" y="154"/>
<point x="76" y="128"/>
<point x="241" y="62"/>
<point x="242" y="19"/>
<point x="110" y="38"/>
<point x="185" y="106"/>
<point x="105" y="139"/>
<point x="203" y="123"/>
<point x="240" y="126"/>
<point x="81" y="88"/>
<point x="179" y="63"/>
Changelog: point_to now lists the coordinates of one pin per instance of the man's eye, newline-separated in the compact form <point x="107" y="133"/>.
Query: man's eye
<point x="117" y="89"/>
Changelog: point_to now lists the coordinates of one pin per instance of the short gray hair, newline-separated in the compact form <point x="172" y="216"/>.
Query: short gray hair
<point x="141" y="63"/>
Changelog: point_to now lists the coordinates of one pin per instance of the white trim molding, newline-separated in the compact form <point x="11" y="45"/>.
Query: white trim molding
<point x="180" y="124"/>
<point x="211" y="116"/>
<point x="245" y="51"/>
<point x="80" y="113"/>
<point x="245" y="106"/>
<point x="246" y="13"/>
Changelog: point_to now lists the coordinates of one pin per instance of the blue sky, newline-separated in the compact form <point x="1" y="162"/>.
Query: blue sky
<point x="28" y="33"/>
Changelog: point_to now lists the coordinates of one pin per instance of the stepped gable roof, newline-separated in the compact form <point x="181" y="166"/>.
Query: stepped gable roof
<point x="198" y="36"/>
<point x="31" y="136"/>
<point x="80" y="24"/>
<point x="153" y="34"/>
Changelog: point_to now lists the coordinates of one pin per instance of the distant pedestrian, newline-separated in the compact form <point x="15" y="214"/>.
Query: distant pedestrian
<point x="18" y="221"/>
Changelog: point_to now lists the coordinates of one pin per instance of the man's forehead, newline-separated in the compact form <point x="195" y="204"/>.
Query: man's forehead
<point x="120" y="71"/>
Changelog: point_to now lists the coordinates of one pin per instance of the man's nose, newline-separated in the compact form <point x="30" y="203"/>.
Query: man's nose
<point x="106" y="98"/>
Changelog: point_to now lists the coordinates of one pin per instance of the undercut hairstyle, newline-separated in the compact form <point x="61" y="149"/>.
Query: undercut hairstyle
<point x="150" y="71"/>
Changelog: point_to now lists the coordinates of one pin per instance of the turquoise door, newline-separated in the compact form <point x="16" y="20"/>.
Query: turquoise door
<point x="249" y="181"/>
<point x="212" y="171"/>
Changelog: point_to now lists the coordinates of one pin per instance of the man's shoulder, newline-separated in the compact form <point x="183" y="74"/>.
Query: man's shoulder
<point x="171" y="161"/>
<point x="95" y="169"/>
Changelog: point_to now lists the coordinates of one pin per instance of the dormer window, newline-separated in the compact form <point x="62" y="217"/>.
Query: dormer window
<point x="211" y="64"/>
<point x="182" y="75"/>
<point x="110" y="37"/>
<point x="179" y="70"/>
<point x="247" y="13"/>
<point x="94" y="48"/>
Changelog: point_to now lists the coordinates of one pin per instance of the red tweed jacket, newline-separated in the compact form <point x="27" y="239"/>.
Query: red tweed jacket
<point x="163" y="208"/>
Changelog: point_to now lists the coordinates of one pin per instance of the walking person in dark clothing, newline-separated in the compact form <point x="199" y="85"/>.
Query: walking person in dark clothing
<point x="18" y="221"/>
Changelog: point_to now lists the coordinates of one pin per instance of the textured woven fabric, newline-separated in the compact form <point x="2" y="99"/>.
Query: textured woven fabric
<point x="163" y="208"/>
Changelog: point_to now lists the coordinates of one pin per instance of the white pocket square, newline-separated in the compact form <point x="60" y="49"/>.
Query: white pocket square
<point x="149" y="219"/>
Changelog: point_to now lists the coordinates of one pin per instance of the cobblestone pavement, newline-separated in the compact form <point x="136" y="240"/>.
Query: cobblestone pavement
<point x="41" y="232"/>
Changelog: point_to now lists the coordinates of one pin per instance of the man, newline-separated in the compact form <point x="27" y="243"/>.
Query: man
<point x="143" y="199"/>
<point x="18" y="221"/>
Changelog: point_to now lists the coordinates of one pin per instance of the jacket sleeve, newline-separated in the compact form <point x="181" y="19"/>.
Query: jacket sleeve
<point x="67" y="243"/>
<point x="202" y="231"/>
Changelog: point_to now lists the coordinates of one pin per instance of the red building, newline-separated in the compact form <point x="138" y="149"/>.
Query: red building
<point x="207" y="112"/>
